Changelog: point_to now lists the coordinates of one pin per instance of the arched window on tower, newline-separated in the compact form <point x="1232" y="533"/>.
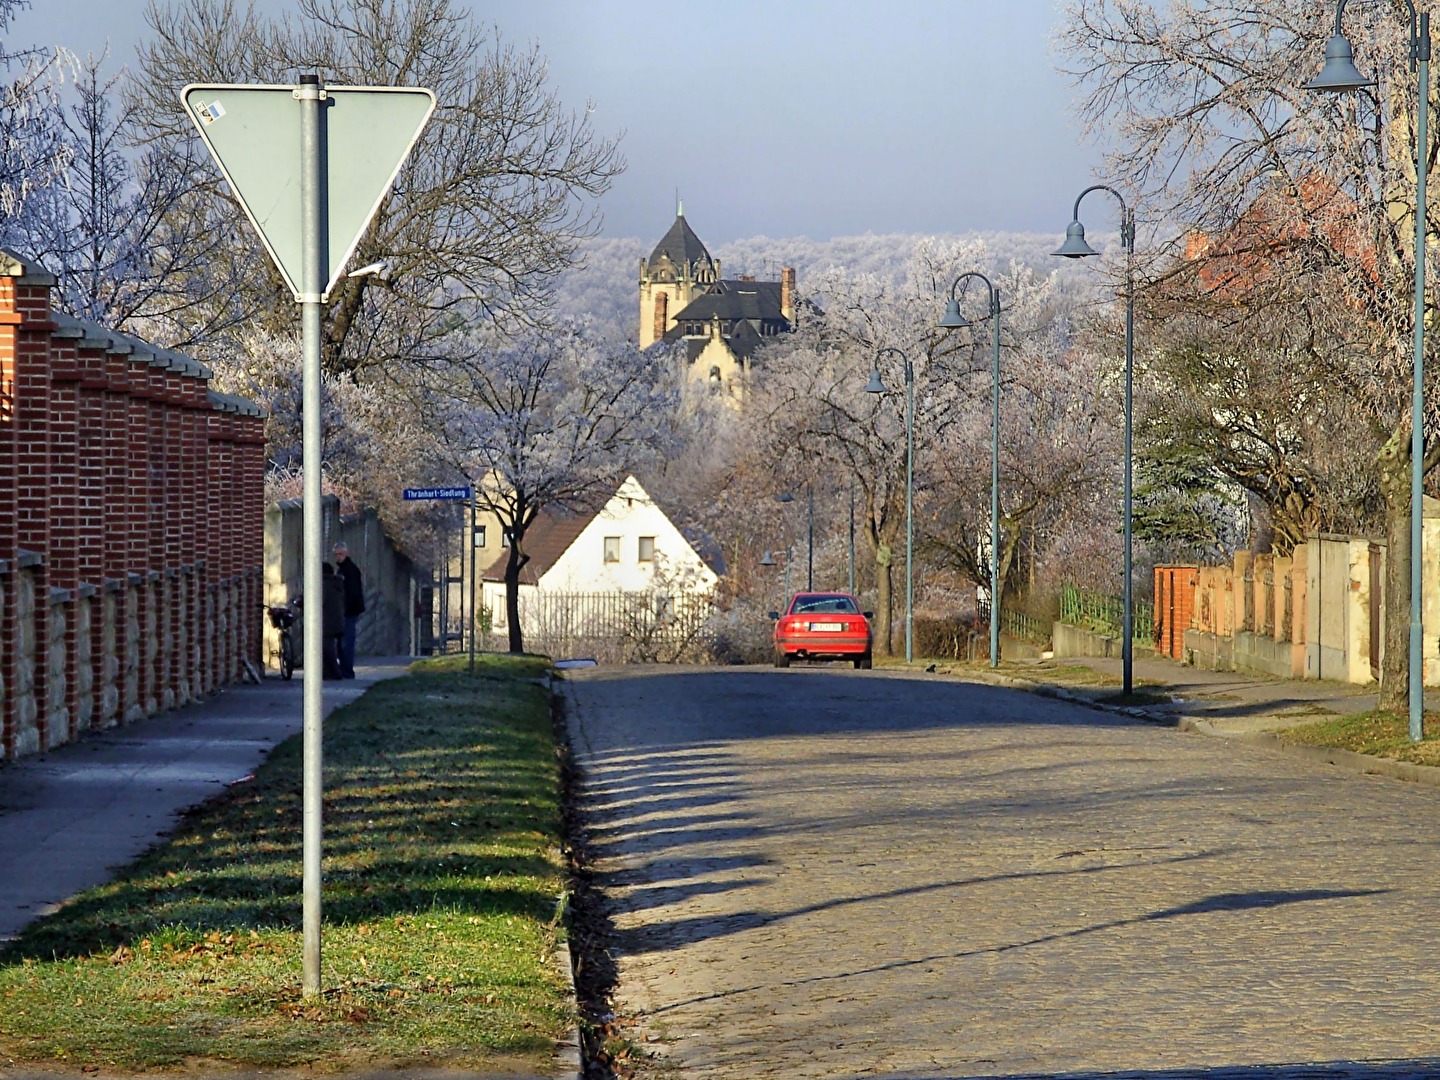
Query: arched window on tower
<point x="717" y="382"/>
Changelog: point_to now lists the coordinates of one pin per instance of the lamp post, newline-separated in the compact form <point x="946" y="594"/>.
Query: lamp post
<point x="1339" y="74"/>
<point x="953" y="320"/>
<point x="767" y="559"/>
<point x="1075" y="247"/>
<point x="875" y="386"/>
<point x="809" y="532"/>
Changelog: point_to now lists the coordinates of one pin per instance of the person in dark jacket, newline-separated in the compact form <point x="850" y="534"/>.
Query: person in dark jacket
<point x="332" y="595"/>
<point x="354" y="607"/>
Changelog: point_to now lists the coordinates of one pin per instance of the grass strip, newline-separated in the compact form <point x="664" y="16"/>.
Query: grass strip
<point x="1381" y="734"/>
<point x="442" y="875"/>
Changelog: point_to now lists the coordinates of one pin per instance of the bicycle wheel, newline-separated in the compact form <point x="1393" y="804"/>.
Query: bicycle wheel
<point x="287" y="656"/>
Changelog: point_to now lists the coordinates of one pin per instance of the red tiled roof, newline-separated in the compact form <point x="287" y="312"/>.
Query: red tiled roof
<point x="548" y="537"/>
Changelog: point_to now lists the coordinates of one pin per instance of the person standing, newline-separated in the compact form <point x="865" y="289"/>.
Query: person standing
<point x="354" y="607"/>
<point x="333" y="621"/>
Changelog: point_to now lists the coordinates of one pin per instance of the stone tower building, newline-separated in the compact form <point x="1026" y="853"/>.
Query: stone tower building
<point x="722" y="322"/>
<point x="678" y="270"/>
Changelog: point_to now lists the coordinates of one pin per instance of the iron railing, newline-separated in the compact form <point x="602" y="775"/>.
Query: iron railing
<point x="1106" y="614"/>
<point x="1025" y="627"/>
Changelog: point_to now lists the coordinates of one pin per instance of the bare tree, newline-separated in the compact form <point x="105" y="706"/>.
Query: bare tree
<point x="490" y="206"/>
<point x="1202" y="106"/>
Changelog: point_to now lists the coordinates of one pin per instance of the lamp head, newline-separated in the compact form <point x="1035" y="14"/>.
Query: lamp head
<point x="952" y="319"/>
<point x="785" y="498"/>
<point x="1339" y="73"/>
<point x="1075" y="246"/>
<point x="767" y="559"/>
<point x="875" y="386"/>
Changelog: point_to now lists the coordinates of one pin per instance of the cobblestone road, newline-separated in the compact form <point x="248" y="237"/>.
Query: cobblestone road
<point x="826" y="873"/>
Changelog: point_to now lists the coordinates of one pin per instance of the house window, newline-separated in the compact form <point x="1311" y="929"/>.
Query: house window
<point x="647" y="549"/>
<point x="612" y="549"/>
<point x="504" y="538"/>
<point x="480" y="536"/>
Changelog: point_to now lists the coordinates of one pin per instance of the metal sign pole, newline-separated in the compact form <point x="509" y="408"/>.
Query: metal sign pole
<point x="470" y="544"/>
<point x="312" y="282"/>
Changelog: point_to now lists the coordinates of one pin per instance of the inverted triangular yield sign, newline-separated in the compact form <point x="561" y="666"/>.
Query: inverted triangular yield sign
<point x="254" y="134"/>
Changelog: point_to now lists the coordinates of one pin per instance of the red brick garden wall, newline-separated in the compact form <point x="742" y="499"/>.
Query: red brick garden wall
<point x="131" y="524"/>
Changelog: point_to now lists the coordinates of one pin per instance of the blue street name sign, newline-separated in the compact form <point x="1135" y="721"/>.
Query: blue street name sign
<point x="414" y="494"/>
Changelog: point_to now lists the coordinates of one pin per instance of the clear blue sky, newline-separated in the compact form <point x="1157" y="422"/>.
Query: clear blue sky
<point x="804" y="117"/>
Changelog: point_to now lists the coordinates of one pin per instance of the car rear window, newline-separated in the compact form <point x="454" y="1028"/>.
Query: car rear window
<point x="824" y="605"/>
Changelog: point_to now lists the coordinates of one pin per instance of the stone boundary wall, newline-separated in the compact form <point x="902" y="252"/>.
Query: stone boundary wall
<point x="1318" y="614"/>
<point x="131" y="503"/>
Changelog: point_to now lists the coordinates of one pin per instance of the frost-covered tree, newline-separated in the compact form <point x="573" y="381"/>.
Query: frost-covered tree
<point x="32" y="151"/>
<point x="1202" y="108"/>
<point x="550" y="422"/>
<point x="107" y="225"/>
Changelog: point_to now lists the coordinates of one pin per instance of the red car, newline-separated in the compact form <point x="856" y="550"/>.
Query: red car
<point x="822" y="626"/>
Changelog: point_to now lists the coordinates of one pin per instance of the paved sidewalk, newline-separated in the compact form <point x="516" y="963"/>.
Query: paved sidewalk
<point x="1231" y="701"/>
<point x="71" y="816"/>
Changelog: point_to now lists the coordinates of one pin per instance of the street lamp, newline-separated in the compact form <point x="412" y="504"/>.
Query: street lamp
<point x="953" y="320"/>
<point x="767" y="559"/>
<point x="875" y="386"/>
<point x="1075" y="247"/>
<point x="809" y="533"/>
<point x="1339" y="74"/>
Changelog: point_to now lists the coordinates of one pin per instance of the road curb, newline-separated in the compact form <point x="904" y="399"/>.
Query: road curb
<point x="1349" y="760"/>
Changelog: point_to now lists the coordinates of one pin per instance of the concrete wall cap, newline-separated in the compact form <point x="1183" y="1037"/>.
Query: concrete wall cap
<point x="28" y="559"/>
<point x="60" y="596"/>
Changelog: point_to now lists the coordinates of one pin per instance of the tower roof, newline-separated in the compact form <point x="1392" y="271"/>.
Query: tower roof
<point x="680" y="244"/>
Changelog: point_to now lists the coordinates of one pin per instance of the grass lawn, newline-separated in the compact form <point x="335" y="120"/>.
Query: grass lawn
<point x="442" y="878"/>
<point x="1382" y="734"/>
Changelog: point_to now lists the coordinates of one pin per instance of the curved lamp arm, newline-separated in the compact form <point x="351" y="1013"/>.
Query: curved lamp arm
<point x="1127" y="216"/>
<point x="909" y="371"/>
<point x="1419" y="31"/>
<point x="990" y="287"/>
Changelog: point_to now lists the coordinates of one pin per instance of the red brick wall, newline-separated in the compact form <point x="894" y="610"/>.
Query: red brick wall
<point x="120" y="475"/>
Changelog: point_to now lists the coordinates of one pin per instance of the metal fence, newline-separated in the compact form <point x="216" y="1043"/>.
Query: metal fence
<point x="1025" y="627"/>
<point x="616" y="627"/>
<point x="1106" y="614"/>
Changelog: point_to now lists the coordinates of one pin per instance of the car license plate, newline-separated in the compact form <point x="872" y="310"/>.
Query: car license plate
<point x="827" y="626"/>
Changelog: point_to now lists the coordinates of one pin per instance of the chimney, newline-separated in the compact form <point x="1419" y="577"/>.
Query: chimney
<point x="662" y="315"/>
<point x="787" y="293"/>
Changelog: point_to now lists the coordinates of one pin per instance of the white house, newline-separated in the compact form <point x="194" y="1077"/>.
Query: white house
<point x="627" y="559"/>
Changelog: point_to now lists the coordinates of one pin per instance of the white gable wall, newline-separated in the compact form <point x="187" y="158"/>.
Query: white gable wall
<point x="629" y="515"/>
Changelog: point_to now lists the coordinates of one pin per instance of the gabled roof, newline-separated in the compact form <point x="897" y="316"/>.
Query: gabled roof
<point x="548" y="537"/>
<point x="730" y="299"/>
<point x="681" y="245"/>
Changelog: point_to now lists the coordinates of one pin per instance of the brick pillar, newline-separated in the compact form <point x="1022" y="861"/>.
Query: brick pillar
<point x="116" y="551"/>
<point x="9" y="468"/>
<point x="192" y="457"/>
<point x="214" y="567"/>
<point x="63" y="557"/>
<point x="90" y="530"/>
<point x="32" y="393"/>
<point x="137" y="491"/>
<point x="254" y="470"/>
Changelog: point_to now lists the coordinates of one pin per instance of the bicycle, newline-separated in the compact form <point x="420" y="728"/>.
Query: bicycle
<point x="282" y="618"/>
